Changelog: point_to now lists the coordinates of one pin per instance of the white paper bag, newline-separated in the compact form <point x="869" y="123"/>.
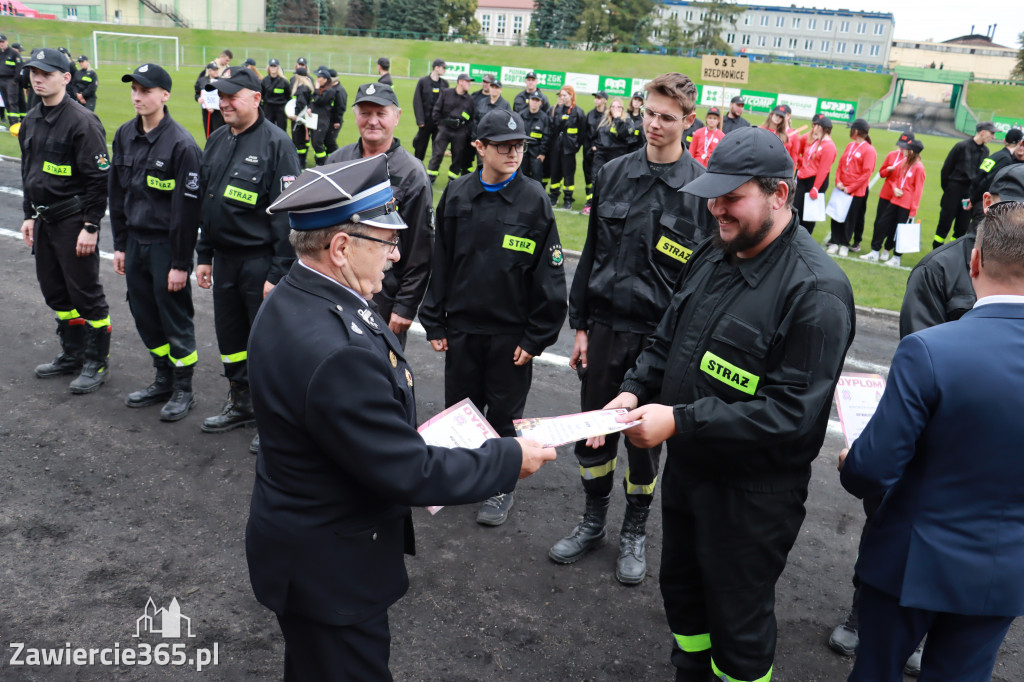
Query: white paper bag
<point x="908" y="237"/>
<point x="814" y="209"/>
<point x="838" y="205"/>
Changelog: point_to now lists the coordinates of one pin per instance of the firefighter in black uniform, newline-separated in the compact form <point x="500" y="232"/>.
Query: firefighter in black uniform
<point x="276" y="92"/>
<point x="384" y="70"/>
<point x="84" y="84"/>
<point x="245" y="167"/>
<point x="1011" y="153"/>
<point x="594" y="117"/>
<point x="496" y="297"/>
<point x="324" y="104"/>
<point x="743" y="367"/>
<point x="10" y="68"/>
<point x="154" y="217"/>
<point x="639" y="237"/>
<point x="958" y="172"/>
<point x="538" y="127"/>
<point x="428" y="90"/>
<point x="377" y="114"/>
<point x="64" y="178"/>
<point x="521" y="103"/>
<point x="337" y="112"/>
<point x="453" y="115"/>
<point x="568" y="133"/>
<point x="302" y="87"/>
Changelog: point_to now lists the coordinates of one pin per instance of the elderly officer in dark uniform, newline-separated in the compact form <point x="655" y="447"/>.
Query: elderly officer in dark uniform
<point x="242" y="251"/>
<point x="84" y="84"/>
<point x="341" y="461"/>
<point x="64" y="177"/>
<point x="377" y="115"/>
<point x="737" y="381"/>
<point x="154" y="215"/>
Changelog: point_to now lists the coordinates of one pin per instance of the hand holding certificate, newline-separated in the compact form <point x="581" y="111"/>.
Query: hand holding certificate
<point x="857" y="397"/>
<point x="555" y="431"/>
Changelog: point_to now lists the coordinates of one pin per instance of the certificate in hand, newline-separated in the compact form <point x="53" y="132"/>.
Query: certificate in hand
<point x="460" y="426"/>
<point x="555" y="431"/>
<point x="857" y="397"/>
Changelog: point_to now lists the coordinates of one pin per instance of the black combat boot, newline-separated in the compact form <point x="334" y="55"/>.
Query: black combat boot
<point x="95" y="360"/>
<point x="158" y="391"/>
<point x="182" y="398"/>
<point x="588" y="533"/>
<point x="71" y="334"/>
<point x="237" y="411"/>
<point x="631" y="567"/>
<point x="254" y="445"/>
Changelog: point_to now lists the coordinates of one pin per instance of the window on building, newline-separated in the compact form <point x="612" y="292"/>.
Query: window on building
<point x="485" y="23"/>
<point x="826" y="45"/>
<point x="844" y="27"/>
<point x="792" y="43"/>
<point x="745" y="39"/>
<point x="879" y="29"/>
<point x="796" y="22"/>
<point x="689" y="15"/>
<point x="71" y="13"/>
<point x="809" y="44"/>
<point x="874" y="50"/>
<point x="500" y="24"/>
<point x="812" y="24"/>
<point x="517" y="25"/>
<point x="828" y="24"/>
<point x="730" y="38"/>
<point x="764" y="20"/>
<point x="777" y="41"/>
<point x="746" y="19"/>
<point x="762" y="41"/>
<point x="862" y="27"/>
<point x="840" y="48"/>
<point x="780" y="21"/>
<point x="858" y="48"/>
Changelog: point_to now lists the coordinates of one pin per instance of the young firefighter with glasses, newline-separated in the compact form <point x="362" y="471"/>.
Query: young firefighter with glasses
<point x="497" y="294"/>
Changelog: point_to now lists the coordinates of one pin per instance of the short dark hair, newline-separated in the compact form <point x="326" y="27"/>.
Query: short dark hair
<point x="1001" y="241"/>
<point x="769" y="186"/>
<point x="677" y="86"/>
<point x="385" y="63"/>
<point x="228" y="53"/>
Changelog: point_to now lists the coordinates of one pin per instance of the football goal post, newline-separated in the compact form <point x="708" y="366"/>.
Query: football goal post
<point x="135" y="48"/>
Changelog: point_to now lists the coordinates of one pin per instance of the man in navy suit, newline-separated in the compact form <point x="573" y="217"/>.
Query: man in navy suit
<point x="944" y="551"/>
<point x="340" y="461"/>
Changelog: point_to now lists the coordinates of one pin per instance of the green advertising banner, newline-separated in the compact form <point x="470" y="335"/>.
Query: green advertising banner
<point x="1004" y="124"/>
<point x="552" y="80"/>
<point x="839" y="111"/>
<point x="760" y="102"/>
<point x="615" y="87"/>
<point x="478" y="71"/>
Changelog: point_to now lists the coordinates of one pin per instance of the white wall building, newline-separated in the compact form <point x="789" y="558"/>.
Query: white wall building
<point x="504" y="22"/>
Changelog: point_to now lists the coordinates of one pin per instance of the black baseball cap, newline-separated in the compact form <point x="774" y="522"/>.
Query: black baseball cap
<point x="323" y="72"/>
<point x="536" y="95"/>
<point x="496" y="84"/>
<point x="149" y="76"/>
<point x="334" y="73"/>
<point x="439" y="62"/>
<point x="825" y="122"/>
<point x="915" y="146"/>
<point x="905" y="140"/>
<point x="1014" y="135"/>
<point x="49" y="60"/>
<point x="249" y="61"/>
<point x="639" y="94"/>
<point x="985" y="125"/>
<point x="465" y="77"/>
<point x="273" y="62"/>
<point x="861" y="125"/>
<point x="602" y="94"/>
<point x="301" y="60"/>
<point x="239" y="79"/>
<point x="531" y="75"/>
<point x="211" y="65"/>
<point x="376" y="93"/>
<point x="82" y="58"/>
<point x="780" y="111"/>
<point x="1009" y="183"/>
<point x="501" y="125"/>
<point x="715" y="111"/>
<point x="17" y="46"/>
<point x="737" y="100"/>
<point x="3" y="37"/>
<point x="488" y="78"/>
<point x="786" y="108"/>
<point x="742" y="155"/>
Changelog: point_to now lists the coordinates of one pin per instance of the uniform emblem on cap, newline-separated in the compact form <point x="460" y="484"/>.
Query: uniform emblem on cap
<point x="144" y="68"/>
<point x="368" y="318"/>
<point x="356" y="329"/>
<point x="408" y="378"/>
<point x="370" y="90"/>
<point x="511" y="123"/>
<point x="393" y="358"/>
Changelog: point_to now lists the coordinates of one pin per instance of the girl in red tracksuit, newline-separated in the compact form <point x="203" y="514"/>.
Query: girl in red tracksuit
<point x="707" y="138"/>
<point x="815" y="166"/>
<point x="853" y="173"/>
<point x="898" y="200"/>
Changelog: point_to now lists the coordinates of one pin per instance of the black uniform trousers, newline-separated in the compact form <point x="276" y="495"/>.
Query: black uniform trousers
<point x="533" y="168"/>
<point x="9" y="89"/>
<point x="163" y="318"/>
<point x="588" y="170"/>
<point x="803" y="186"/>
<point x="459" y="139"/>
<point x="275" y="114"/>
<point x="610" y="355"/>
<point x="318" y="140"/>
<point x="887" y="219"/>
<point x="952" y="212"/>
<point x="425" y="135"/>
<point x="724" y="549"/>
<point x="331" y="142"/>
<point x="212" y="119"/>
<point x="300" y="138"/>
<point x="961" y="648"/>
<point x="480" y="367"/>
<point x="563" y="173"/>
<point x="237" y="296"/>
<point x="68" y="282"/>
<point x="336" y="653"/>
<point x="853" y="226"/>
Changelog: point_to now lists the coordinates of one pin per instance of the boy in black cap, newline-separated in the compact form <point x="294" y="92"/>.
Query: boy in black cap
<point x="84" y="84"/>
<point x="453" y="114"/>
<point x="384" y="70"/>
<point x="538" y="127"/>
<point x="154" y="217"/>
<point x="64" y="178"/>
<point x="496" y="296"/>
<point x="242" y="250"/>
<point x="958" y="172"/>
<point x="10" y="67"/>
<point x="328" y="106"/>
<point x="428" y="91"/>
<point x="276" y="92"/>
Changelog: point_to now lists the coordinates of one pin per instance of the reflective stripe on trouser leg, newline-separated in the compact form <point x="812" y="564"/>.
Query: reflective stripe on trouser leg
<point x="693" y="643"/>
<point x="728" y="678"/>
<point x="98" y="324"/>
<point x="66" y="315"/>
<point x="633" y="488"/>
<point x="161" y="351"/>
<point x="234" y="357"/>
<point x="591" y="473"/>
<point x="186" y="361"/>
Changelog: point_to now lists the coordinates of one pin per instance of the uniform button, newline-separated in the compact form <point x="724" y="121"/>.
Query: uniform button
<point x="340" y="309"/>
<point x="374" y="536"/>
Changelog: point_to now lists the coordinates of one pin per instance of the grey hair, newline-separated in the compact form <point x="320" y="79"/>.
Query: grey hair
<point x="310" y="243"/>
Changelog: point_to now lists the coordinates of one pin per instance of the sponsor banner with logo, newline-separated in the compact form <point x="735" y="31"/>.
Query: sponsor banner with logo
<point x="840" y="111"/>
<point x="1004" y="124"/>
<point x="615" y="87"/>
<point x="710" y="95"/>
<point x="803" y="107"/>
<point x="760" y="102"/>
<point x="478" y="71"/>
<point x="514" y="76"/>
<point x="551" y="80"/>
<point x="453" y="70"/>
<point x="584" y="83"/>
<point x="639" y="83"/>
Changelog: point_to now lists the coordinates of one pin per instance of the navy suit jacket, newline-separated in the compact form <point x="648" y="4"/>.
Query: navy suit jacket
<point x="340" y="460"/>
<point x="946" y="446"/>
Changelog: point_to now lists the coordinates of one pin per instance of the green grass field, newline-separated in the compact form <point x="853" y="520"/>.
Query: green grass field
<point x="875" y="286"/>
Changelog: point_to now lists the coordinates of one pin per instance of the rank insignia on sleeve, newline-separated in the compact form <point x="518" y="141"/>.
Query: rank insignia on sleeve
<point x="556" y="256"/>
<point x="102" y="162"/>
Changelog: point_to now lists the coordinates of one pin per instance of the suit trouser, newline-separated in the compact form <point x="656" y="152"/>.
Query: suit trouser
<point x="724" y="549"/>
<point x="163" y="318"/>
<point x="480" y="367"/>
<point x="336" y="653"/>
<point x="563" y="173"/>
<point x="887" y="219"/>
<point x="952" y="212"/>
<point x="237" y="296"/>
<point x="9" y="89"/>
<point x="459" y="138"/>
<point x="853" y="226"/>
<point x="69" y="283"/>
<point x="425" y="135"/>
<point x="275" y="114"/>
<point x="961" y="648"/>
<point x="610" y="354"/>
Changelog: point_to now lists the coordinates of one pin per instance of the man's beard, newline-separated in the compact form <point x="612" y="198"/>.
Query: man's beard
<point x="744" y="240"/>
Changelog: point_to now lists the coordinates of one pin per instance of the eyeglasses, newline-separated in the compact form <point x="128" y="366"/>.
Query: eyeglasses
<point x="507" y="148"/>
<point x="667" y="119"/>
<point x="392" y="243"/>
